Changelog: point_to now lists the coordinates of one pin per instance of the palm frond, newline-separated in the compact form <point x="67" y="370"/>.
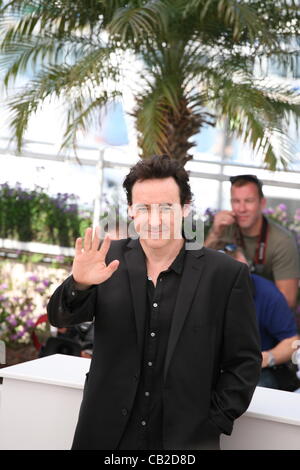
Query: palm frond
<point x="245" y="22"/>
<point x="75" y="84"/>
<point x="135" y="23"/>
<point x="81" y="115"/>
<point x="193" y="54"/>
<point x="257" y="114"/>
<point x="151" y="120"/>
<point x="63" y="16"/>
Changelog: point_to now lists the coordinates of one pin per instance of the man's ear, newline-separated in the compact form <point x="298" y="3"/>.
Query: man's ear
<point x="263" y="203"/>
<point x="130" y="212"/>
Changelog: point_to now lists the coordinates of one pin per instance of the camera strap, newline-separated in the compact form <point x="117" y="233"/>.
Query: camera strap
<point x="261" y="248"/>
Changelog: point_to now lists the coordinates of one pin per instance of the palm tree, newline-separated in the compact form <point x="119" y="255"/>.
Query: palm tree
<point x="199" y="61"/>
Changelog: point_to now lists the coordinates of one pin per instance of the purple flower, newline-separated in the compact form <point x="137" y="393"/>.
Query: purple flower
<point x="210" y="212"/>
<point x="12" y="320"/>
<point x="282" y="207"/>
<point x="30" y="323"/>
<point x="33" y="278"/>
<point x="3" y="286"/>
<point x="46" y="283"/>
<point x="21" y="333"/>
<point x="268" y="211"/>
<point x="39" y="289"/>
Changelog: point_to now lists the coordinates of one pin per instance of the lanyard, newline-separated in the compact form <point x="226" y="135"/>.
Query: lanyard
<point x="261" y="248"/>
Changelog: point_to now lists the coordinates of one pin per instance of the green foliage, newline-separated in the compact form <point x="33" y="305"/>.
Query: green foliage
<point x="199" y="61"/>
<point x="35" y="216"/>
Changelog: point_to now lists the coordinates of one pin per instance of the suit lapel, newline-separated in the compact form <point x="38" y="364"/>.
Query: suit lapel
<point x="192" y="271"/>
<point x="137" y="271"/>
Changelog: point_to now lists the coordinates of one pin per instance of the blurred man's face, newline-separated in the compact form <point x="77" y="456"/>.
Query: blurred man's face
<point x="157" y="211"/>
<point x="247" y="205"/>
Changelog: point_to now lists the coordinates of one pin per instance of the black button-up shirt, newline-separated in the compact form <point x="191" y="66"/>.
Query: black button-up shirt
<point x="145" y="424"/>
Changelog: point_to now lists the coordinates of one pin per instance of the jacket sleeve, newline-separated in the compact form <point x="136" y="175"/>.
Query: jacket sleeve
<point x="241" y="355"/>
<point x="69" y="306"/>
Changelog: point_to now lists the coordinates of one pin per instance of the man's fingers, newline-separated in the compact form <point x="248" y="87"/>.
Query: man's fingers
<point x="78" y="246"/>
<point x="96" y="239"/>
<point x="87" y="244"/>
<point x="105" y="247"/>
<point x="111" y="268"/>
<point x="113" y="265"/>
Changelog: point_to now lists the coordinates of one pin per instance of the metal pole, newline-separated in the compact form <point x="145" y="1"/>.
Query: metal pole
<point x="2" y="353"/>
<point x="99" y="189"/>
<point x="223" y="162"/>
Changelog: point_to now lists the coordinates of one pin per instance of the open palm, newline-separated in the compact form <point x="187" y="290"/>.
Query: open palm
<point x="89" y="266"/>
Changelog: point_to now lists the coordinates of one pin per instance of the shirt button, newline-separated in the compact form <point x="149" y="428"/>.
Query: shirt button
<point x="150" y="363"/>
<point x="124" y="411"/>
<point x="152" y="334"/>
<point x="73" y="293"/>
<point x="147" y="394"/>
<point x="155" y="304"/>
<point x="143" y="423"/>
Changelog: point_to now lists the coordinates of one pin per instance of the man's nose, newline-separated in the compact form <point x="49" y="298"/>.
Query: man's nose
<point x="154" y="217"/>
<point x="241" y="207"/>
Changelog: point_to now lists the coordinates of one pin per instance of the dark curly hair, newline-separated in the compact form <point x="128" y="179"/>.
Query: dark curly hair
<point x="159" y="166"/>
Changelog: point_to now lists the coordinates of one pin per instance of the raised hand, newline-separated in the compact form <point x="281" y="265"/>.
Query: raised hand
<point x="221" y="220"/>
<point x="89" y="266"/>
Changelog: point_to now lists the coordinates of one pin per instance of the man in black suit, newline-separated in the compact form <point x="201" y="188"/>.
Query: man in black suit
<point x="176" y="353"/>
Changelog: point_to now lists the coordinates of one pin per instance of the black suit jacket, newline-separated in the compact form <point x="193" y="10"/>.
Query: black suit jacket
<point x="213" y="357"/>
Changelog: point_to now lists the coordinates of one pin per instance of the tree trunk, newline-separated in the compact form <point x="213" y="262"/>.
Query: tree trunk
<point x="178" y="128"/>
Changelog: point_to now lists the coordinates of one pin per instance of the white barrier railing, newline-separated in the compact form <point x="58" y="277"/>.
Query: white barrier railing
<point x="40" y="401"/>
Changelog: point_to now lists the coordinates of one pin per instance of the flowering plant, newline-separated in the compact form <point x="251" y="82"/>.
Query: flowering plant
<point x="280" y="215"/>
<point x="33" y="215"/>
<point x="21" y="304"/>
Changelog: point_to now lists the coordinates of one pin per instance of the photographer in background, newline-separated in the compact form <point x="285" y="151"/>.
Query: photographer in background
<point x="270" y="249"/>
